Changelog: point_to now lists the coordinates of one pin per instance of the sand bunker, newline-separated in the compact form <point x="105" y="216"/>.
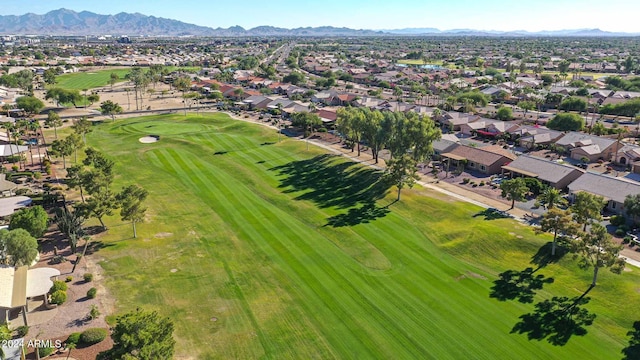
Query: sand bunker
<point x="149" y="139"/>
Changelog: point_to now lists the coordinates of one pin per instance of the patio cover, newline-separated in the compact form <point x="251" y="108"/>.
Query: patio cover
<point x="13" y="287"/>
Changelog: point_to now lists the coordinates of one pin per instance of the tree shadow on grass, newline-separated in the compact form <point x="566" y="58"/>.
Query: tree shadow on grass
<point x="556" y="319"/>
<point x="342" y="185"/>
<point x="543" y="257"/>
<point x="94" y="246"/>
<point x="492" y="214"/>
<point x="632" y="351"/>
<point x="520" y="285"/>
<point x="358" y="215"/>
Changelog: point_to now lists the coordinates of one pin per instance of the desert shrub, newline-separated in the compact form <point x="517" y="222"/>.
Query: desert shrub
<point x="59" y="297"/>
<point x="481" y="183"/>
<point x="626" y="239"/>
<point x="22" y="192"/>
<point x="22" y="331"/>
<point x="88" y="277"/>
<point x="620" y="232"/>
<point x="94" y="312"/>
<point x="58" y="285"/>
<point x="617" y="220"/>
<point x="465" y="180"/>
<point x="93" y="336"/>
<point x="45" y="351"/>
<point x="69" y="279"/>
<point x="91" y="294"/>
<point x="74" y="338"/>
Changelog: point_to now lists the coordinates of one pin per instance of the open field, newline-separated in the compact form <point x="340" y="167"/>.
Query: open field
<point x="259" y="249"/>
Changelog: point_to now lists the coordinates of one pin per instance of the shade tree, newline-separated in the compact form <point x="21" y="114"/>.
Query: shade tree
<point x="141" y="335"/>
<point x="558" y="222"/>
<point x="53" y="120"/>
<point x="514" y="190"/>
<point x="17" y="247"/>
<point x="110" y="108"/>
<point x="30" y="104"/>
<point x="587" y="208"/>
<point x="33" y="219"/>
<point x="596" y="250"/>
<point x="130" y="200"/>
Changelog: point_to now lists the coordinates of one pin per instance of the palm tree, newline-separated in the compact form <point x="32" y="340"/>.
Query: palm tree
<point x="551" y="197"/>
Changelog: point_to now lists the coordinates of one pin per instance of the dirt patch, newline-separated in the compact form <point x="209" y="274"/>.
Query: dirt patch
<point x="474" y="275"/>
<point x="162" y="235"/>
<point x="174" y="270"/>
<point x="470" y="274"/>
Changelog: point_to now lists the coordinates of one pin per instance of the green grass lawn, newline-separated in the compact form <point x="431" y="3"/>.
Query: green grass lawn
<point x="89" y="80"/>
<point x="259" y="249"/>
<point x="93" y="79"/>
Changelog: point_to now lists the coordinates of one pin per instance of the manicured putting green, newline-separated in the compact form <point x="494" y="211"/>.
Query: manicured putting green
<point x="259" y="249"/>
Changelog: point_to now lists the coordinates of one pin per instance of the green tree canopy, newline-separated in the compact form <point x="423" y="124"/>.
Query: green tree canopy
<point x="110" y="108"/>
<point x="551" y="197"/>
<point x="573" y="104"/>
<point x="131" y="209"/>
<point x="587" y="208"/>
<point x="293" y="78"/>
<point x="558" y="221"/>
<point x="53" y="120"/>
<point x="141" y="335"/>
<point x="30" y="104"/>
<point x="306" y="120"/>
<point x="632" y="205"/>
<point x="566" y="122"/>
<point x="475" y="97"/>
<point x="63" y="96"/>
<point x="514" y="190"/>
<point x="597" y="250"/>
<point x="20" y="248"/>
<point x="34" y="220"/>
<point x="504" y="113"/>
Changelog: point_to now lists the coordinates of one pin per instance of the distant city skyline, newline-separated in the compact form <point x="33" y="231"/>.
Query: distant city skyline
<point x="499" y="15"/>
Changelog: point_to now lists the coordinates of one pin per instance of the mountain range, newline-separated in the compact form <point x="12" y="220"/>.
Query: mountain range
<point x="69" y="22"/>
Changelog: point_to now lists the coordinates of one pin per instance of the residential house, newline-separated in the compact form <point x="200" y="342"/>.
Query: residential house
<point x="613" y="190"/>
<point x="257" y="102"/>
<point x="329" y="97"/>
<point x="488" y="160"/>
<point x="532" y="137"/>
<point x="551" y="173"/>
<point x="444" y="145"/>
<point x="454" y="120"/>
<point x="627" y="154"/>
<point x="328" y="116"/>
<point x="486" y="127"/>
<point x="592" y="147"/>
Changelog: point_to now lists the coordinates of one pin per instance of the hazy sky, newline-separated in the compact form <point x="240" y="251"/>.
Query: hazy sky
<point x="532" y="15"/>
